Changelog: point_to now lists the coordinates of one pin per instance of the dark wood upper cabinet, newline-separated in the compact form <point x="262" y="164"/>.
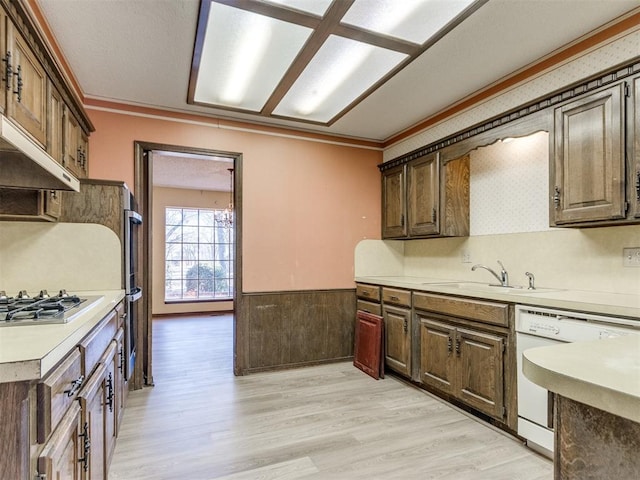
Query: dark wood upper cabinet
<point x="595" y="159"/>
<point x="588" y="163"/>
<point x="394" y="204"/>
<point x="423" y="195"/>
<point x="426" y="198"/>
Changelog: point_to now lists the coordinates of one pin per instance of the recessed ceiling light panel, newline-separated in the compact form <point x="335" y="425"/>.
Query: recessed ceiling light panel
<point x="342" y="70"/>
<point x="411" y="20"/>
<point x="244" y="56"/>
<point x="316" y="7"/>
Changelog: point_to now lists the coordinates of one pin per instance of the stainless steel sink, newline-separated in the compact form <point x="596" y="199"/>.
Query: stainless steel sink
<point x="486" y="287"/>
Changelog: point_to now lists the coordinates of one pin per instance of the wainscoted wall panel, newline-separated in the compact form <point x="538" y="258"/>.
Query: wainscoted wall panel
<point x="296" y="328"/>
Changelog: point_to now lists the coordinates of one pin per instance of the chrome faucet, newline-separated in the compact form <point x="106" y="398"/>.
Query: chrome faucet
<point x="532" y="280"/>
<point x="503" y="278"/>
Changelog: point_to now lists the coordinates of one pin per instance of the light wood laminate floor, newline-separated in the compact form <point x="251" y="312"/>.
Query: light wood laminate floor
<point x="327" y="422"/>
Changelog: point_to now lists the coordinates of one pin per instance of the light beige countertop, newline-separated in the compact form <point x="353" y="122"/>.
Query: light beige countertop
<point x="604" y="374"/>
<point x="29" y="352"/>
<point x="614" y="304"/>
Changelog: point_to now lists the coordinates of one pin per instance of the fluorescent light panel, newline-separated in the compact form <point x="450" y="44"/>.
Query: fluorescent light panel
<point x="244" y="56"/>
<point x="411" y="20"/>
<point x="340" y="72"/>
<point x="316" y="7"/>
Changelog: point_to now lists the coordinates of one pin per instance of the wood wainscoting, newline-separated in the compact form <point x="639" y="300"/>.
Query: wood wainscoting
<point x="294" y="328"/>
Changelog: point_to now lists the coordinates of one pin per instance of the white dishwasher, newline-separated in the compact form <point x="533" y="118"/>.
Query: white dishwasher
<point x="541" y="327"/>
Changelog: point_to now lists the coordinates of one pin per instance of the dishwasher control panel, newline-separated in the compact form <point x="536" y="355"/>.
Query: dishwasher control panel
<point x="571" y="326"/>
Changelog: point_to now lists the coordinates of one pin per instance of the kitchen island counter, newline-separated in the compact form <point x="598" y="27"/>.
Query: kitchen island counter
<point x="602" y="373"/>
<point x="596" y="386"/>
<point x="605" y="303"/>
<point x="29" y="352"/>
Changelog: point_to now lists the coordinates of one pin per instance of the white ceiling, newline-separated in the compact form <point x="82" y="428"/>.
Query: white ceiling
<point x="197" y="172"/>
<point x="139" y="52"/>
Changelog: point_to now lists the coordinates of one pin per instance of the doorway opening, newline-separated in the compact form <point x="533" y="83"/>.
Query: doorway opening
<point x="191" y="201"/>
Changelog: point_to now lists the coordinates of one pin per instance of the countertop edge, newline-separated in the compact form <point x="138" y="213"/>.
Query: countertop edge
<point x="562" y="370"/>
<point x="438" y="285"/>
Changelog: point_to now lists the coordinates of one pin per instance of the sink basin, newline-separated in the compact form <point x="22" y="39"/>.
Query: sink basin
<point x="485" y="287"/>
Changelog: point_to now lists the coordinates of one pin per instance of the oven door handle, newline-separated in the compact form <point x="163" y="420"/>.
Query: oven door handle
<point x="135" y="295"/>
<point x="134" y="217"/>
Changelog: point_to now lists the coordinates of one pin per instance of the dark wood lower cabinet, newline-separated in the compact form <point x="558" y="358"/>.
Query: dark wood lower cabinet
<point x="60" y="458"/>
<point x="92" y="401"/>
<point x="463" y="363"/>
<point x="397" y="333"/>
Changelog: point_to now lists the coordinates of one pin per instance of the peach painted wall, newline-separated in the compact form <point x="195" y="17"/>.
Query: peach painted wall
<point x="306" y="204"/>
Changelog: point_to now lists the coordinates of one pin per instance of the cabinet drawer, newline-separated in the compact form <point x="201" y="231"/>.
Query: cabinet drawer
<point x="396" y="297"/>
<point x="370" y="292"/>
<point x="94" y="344"/>
<point x="369" y="307"/>
<point x="56" y="392"/>
<point x="478" y="310"/>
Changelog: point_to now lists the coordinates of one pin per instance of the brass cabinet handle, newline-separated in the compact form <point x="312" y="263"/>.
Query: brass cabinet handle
<point x="406" y="326"/>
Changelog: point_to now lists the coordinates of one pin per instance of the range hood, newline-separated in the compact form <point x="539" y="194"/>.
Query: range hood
<point x="24" y="164"/>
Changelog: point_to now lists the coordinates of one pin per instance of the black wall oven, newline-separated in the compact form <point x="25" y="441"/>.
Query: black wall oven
<point x="133" y="292"/>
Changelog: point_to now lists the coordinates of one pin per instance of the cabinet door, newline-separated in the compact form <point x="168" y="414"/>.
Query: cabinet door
<point x="589" y="158"/>
<point x="480" y="371"/>
<point x="368" y="346"/>
<point x="60" y="457"/>
<point x="394" y="203"/>
<point x="397" y="330"/>
<point x="27" y="96"/>
<point x="437" y="361"/>
<point x="121" y="383"/>
<point x="92" y="401"/>
<point x="423" y="196"/>
<point x="55" y="125"/>
<point x="71" y="144"/>
<point x="111" y="396"/>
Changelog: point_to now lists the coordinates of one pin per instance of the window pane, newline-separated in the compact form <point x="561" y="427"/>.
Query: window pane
<point x="190" y="217"/>
<point x="190" y="234"/>
<point x="173" y="270"/>
<point x="206" y="218"/>
<point x="206" y="252"/>
<point x="206" y="235"/>
<point x="190" y="252"/>
<point x="173" y="233"/>
<point x="173" y="251"/>
<point x="173" y="216"/>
